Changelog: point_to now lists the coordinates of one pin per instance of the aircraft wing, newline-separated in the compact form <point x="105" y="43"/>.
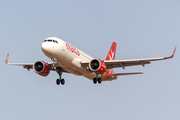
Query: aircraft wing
<point x="124" y="63"/>
<point x="29" y="66"/>
<point x="131" y="62"/>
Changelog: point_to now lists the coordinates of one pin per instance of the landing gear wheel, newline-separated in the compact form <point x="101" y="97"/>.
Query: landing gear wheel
<point x="99" y="80"/>
<point x="58" y="81"/>
<point x="53" y="68"/>
<point x="62" y="81"/>
<point x="94" y="80"/>
<point x="59" y="71"/>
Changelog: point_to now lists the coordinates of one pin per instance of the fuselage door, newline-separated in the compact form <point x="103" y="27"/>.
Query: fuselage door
<point x="64" y="54"/>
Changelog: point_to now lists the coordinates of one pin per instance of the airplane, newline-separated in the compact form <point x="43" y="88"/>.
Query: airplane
<point x="69" y="59"/>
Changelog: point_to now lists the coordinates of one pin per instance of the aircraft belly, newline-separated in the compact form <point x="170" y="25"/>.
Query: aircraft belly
<point x="72" y="63"/>
<point x="80" y="71"/>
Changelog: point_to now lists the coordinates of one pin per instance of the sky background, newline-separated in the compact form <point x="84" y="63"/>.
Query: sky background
<point x="142" y="29"/>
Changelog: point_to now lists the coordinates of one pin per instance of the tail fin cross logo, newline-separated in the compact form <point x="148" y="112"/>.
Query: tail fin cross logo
<point x="111" y="56"/>
<point x="112" y="52"/>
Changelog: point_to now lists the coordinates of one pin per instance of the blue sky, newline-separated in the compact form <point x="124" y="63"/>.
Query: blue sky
<point x="142" y="29"/>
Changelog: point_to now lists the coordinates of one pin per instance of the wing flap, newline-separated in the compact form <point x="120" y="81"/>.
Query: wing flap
<point x="116" y="64"/>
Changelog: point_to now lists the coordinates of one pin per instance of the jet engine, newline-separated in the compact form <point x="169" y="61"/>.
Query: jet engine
<point x="41" y="68"/>
<point x="97" y="66"/>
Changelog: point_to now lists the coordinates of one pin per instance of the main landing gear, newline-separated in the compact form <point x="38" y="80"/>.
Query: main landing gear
<point x="95" y="80"/>
<point x="58" y="81"/>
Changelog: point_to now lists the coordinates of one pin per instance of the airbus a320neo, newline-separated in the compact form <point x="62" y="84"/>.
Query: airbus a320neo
<point x="69" y="59"/>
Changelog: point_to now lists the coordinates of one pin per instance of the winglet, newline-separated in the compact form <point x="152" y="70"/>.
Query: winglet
<point x="171" y="55"/>
<point x="7" y="58"/>
<point x="174" y="52"/>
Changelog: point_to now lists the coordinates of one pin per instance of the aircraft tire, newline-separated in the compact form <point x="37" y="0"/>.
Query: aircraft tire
<point x="58" y="81"/>
<point x="62" y="81"/>
<point x="53" y="68"/>
<point x="99" y="80"/>
<point x="94" y="80"/>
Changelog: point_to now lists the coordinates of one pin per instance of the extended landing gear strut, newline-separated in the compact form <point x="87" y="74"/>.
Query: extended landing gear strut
<point x="95" y="80"/>
<point x="59" y="81"/>
<point x="53" y="67"/>
<point x="59" y="71"/>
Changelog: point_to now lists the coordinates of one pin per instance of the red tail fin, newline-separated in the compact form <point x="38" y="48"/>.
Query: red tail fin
<point x="112" y="52"/>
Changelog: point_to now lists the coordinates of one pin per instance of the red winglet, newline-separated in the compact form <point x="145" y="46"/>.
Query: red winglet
<point x="174" y="52"/>
<point x="7" y="58"/>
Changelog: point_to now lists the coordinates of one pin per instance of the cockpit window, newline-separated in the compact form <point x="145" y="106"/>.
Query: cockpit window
<point x="51" y="41"/>
<point x="55" y="41"/>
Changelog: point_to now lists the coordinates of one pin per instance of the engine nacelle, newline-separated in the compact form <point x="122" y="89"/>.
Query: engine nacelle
<point x="97" y="66"/>
<point x="41" y="68"/>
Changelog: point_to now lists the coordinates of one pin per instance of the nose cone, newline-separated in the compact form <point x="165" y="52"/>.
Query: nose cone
<point x="44" y="47"/>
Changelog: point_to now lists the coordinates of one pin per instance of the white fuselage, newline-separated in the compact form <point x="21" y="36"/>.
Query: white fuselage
<point x="67" y="56"/>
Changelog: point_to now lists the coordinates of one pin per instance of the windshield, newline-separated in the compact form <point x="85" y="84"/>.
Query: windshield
<point x="51" y="41"/>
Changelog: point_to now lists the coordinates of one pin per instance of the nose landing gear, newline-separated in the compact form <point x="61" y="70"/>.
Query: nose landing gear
<point x="60" y="81"/>
<point x="53" y="67"/>
<point x="59" y="71"/>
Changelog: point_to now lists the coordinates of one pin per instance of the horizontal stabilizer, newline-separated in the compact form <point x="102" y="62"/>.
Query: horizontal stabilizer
<point x="121" y="74"/>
